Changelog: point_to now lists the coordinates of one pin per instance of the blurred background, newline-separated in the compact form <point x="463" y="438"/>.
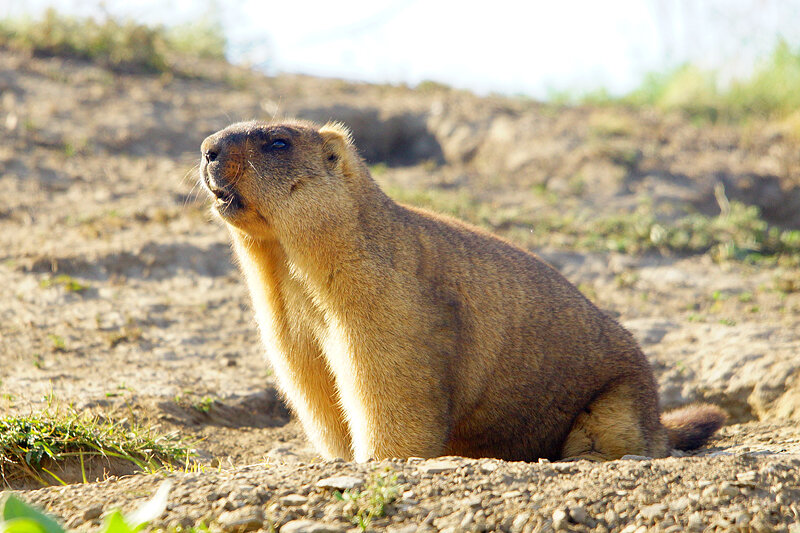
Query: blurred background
<point x="537" y="49"/>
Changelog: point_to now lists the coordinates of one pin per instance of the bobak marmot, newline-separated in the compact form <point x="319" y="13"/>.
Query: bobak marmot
<point x="397" y="332"/>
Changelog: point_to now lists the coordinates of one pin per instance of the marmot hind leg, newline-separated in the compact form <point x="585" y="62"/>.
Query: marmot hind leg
<point x="613" y="425"/>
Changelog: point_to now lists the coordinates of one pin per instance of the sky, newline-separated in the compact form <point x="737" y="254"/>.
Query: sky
<point x="536" y="48"/>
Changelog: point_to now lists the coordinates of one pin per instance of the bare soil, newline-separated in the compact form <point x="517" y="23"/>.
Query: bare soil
<point x="97" y="170"/>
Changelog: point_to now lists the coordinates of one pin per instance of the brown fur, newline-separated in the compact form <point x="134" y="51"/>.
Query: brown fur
<point x="397" y="332"/>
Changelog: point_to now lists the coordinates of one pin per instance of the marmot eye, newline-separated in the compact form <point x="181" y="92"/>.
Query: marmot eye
<point x="278" y="144"/>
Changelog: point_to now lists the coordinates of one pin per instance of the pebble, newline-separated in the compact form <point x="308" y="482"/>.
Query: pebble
<point x="473" y="501"/>
<point x="635" y="458"/>
<point x="519" y="522"/>
<point x="578" y="514"/>
<point x="559" y="519"/>
<point x="489" y="466"/>
<point x="611" y="518"/>
<point x="652" y="512"/>
<point x="340" y="482"/>
<point x="311" y="526"/>
<point x="726" y="488"/>
<point x="709" y="492"/>
<point x="438" y="467"/>
<point x="746" y="477"/>
<point x="92" y="512"/>
<point x="680" y="505"/>
<point x="411" y="528"/>
<point x="696" y="522"/>
<point x="742" y="520"/>
<point x="243" y="519"/>
<point x="294" y="500"/>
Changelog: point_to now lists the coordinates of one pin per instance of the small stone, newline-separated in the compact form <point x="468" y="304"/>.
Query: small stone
<point x="709" y="492"/>
<point x="611" y="518"/>
<point x="473" y="501"/>
<point x="696" y="522"/>
<point x="340" y="482"/>
<point x="630" y="528"/>
<point x="489" y="466"/>
<point x="294" y="500"/>
<point x="244" y="519"/>
<point x="311" y="526"/>
<point x="92" y="512"/>
<point x="726" y="488"/>
<point x="410" y="528"/>
<point x="742" y="520"/>
<point x="438" y="467"/>
<point x="635" y="458"/>
<point x="746" y="477"/>
<point x="467" y="520"/>
<point x="578" y="514"/>
<point x="511" y="494"/>
<point x="680" y="505"/>
<point x="652" y="512"/>
<point x="519" y="522"/>
<point x="559" y="519"/>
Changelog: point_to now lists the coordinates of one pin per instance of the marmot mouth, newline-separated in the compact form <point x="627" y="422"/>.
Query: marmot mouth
<point x="226" y="200"/>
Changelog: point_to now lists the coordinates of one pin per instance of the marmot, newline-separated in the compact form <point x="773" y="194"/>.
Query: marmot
<point x="397" y="332"/>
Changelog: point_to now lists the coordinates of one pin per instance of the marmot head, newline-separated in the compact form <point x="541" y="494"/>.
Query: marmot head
<point x="269" y="177"/>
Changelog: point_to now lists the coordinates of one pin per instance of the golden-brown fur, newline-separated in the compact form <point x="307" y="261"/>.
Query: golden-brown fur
<point x="394" y="331"/>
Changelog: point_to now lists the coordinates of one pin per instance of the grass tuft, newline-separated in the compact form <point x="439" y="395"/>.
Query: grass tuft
<point x="119" y="45"/>
<point x="739" y="233"/>
<point x="370" y="503"/>
<point x="34" y="447"/>
<point x="770" y="92"/>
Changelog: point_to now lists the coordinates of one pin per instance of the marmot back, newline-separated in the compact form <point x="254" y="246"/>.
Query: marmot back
<point x="396" y="332"/>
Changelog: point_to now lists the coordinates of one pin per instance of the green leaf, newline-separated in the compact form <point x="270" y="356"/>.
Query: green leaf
<point x="21" y="525"/>
<point x="13" y="508"/>
<point x="116" y="524"/>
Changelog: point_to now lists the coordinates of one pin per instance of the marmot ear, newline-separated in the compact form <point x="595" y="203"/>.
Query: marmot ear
<point x="336" y="147"/>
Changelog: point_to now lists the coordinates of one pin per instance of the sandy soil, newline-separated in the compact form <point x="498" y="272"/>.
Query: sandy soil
<point x="98" y="175"/>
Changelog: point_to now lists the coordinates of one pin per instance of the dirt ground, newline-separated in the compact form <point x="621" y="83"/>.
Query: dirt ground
<point x="118" y="296"/>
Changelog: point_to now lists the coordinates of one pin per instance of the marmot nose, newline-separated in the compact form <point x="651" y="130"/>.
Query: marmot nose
<point x="210" y="149"/>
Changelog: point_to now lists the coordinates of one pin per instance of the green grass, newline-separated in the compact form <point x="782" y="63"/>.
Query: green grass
<point x="69" y="283"/>
<point x="371" y="502"/>
<point x="739" y="233"/>
<point x="30" y="446"/>
<point x="771" y="91"/>
<point x="119" y="45"/>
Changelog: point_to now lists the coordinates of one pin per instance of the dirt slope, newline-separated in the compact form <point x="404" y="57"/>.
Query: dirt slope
<point x="97" y="171"/>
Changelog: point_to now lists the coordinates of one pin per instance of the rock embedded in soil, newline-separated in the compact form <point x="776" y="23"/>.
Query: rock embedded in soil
<point x="439" y="466"/>
<point x="341" y="482"/>
<point x="243" y="519"/>
<point x="311" y="526"/>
